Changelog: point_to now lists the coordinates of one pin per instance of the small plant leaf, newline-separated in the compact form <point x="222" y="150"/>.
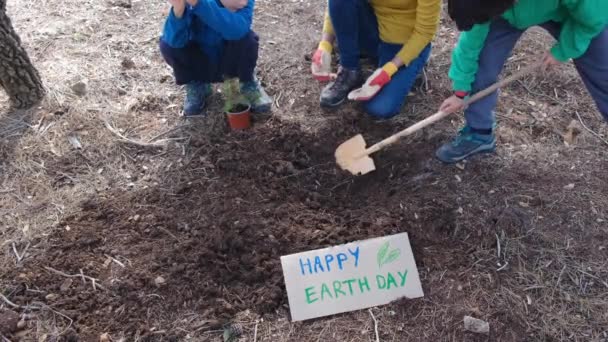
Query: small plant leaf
<point x="382" y="253"/>
<point x="232" y="94"/>
<point x="392" y="256"/>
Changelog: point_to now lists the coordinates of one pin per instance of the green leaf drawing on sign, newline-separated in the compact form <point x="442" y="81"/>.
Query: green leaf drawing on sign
<point x="386" y="257"/>
<point x="382" y="253"/>
<point x="392" y="256"/>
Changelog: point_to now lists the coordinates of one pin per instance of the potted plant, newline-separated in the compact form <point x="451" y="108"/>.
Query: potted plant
<point x="236" y="105"/>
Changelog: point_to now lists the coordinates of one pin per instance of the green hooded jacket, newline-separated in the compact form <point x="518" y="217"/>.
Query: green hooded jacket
<point x="581" y="20"/>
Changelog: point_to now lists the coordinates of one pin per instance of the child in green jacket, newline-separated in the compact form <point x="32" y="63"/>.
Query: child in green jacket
<point x="491" y="30"/>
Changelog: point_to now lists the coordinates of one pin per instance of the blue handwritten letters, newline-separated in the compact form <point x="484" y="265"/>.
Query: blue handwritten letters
<point x="336" y="262"/>
<point x="329" y="262"/>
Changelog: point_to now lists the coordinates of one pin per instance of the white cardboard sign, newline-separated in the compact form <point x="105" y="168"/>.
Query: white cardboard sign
<point x="350" y="277"/>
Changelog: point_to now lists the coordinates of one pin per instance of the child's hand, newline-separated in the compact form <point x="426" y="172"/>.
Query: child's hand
<point x="549" y="61"/>
<point x="234" y="5"/>
<point x="179" y="6"/>
<point x="452" y="104"/>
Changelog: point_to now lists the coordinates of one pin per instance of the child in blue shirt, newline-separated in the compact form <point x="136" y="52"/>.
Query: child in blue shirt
<point x="207" y="40"/>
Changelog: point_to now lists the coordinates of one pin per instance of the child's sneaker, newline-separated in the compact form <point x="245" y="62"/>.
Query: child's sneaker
<point x="466" y="144"/>
<point x="256" y="95"/>
<point x="196" y="94"/>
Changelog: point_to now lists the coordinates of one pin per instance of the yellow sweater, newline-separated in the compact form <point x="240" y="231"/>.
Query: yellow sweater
<point x="409" y="22"/>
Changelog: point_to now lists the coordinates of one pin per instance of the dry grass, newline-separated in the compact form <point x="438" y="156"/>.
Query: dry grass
<point x="554" y="280"/>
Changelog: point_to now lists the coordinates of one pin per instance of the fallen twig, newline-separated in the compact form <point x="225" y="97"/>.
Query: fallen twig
<point x="498" y="248"/>
<point x="94" y="281"/>
<point x="375" y="325"/>
<point x="502" y="267"/>
<point x="554" y="99"/>
<point x="158" y="143"/>
<point x="116" y="261"/>
<point x="255" y="332"/>
<point x="590" y="130"/>
<point x="84" y="280"/>
<point x="35" y="307"/>
<point x="168" y="233"/>
<point x="22" y="255"/>
<point x="16" y="306"/>
<point x="158" y="136"/>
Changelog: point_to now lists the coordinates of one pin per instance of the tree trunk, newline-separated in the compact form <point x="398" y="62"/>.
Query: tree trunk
<point x="18" y="76"/>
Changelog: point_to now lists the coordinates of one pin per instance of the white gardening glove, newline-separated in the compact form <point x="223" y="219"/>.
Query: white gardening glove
<point x="374" y="83"/>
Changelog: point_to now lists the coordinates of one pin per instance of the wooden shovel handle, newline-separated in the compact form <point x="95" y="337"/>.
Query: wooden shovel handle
<point x="440" y="115"/>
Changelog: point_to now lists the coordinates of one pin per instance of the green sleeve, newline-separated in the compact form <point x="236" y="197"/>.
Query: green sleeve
<point x="465" y="57"/>
<point x="586" y="20"/>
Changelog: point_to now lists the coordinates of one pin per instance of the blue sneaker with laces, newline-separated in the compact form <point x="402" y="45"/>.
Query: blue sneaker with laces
<point x="256" y="95"/>
<point x="465" y="144"/>
<point x="196" y="94"/>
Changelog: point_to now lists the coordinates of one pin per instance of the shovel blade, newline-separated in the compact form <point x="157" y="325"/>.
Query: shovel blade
<point x="348" y="156"/>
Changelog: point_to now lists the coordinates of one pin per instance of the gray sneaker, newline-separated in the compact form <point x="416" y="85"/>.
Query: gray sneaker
<point x="466" y="144"/>
<point x="336" y="92"/>
<point x="256" y="95"/>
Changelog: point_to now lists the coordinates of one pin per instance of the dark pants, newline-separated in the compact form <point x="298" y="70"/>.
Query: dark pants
<point x="191" y="63"/>
<point x="356" y="29"/>
<point x="592" y="67"/>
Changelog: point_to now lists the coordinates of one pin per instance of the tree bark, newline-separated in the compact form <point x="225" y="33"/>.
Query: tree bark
<point x="18" y="76"/>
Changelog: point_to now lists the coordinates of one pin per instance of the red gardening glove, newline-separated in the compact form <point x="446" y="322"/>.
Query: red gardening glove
<point x="374" y="83"/>
<point x="321" y="62"/>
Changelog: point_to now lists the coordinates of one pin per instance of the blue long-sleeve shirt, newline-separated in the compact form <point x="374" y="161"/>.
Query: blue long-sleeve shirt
<point x="208" y="24"/>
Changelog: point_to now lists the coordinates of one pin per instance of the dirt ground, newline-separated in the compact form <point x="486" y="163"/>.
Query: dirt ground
<point x="173" y="231"/>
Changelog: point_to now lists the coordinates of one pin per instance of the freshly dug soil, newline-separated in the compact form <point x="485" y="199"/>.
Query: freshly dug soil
<point x="209" y="239"/>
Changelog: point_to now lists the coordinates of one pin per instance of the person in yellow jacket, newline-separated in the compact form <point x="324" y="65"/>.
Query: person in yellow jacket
<point x="398" y="33"/>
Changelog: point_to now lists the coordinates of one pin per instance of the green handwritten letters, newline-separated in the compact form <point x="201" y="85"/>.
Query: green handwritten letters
<point x="354" y="287"/>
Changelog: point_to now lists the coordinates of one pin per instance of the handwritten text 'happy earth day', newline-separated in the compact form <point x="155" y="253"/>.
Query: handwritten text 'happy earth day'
<point x="345" y="287"/>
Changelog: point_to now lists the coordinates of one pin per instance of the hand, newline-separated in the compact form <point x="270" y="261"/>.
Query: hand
<point x="549" y="62"/>
<point x="234" y="5"/>
<point x="179" y="6"/>
<point x="192" y="2"/>
<point x="452" y="104"/>
<point x="374" y="83"/>
<point x="321" y="62"/>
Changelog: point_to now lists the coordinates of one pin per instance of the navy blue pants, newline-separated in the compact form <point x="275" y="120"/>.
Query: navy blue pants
<point x="356" y="29"/>
<point x="191" y="63"/>
<point x="592" y="67"/>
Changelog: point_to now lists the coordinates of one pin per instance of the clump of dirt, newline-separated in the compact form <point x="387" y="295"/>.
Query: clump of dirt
<point x="8" y="321"/>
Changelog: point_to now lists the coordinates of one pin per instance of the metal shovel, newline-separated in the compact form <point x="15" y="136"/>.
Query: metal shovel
<point x="354" y="157"/>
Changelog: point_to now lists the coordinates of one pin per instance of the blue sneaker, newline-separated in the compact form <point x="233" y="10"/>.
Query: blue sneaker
<point x="256" y="95"/>
<point x="196" y="94"/>
<point x="466" y="144"/>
